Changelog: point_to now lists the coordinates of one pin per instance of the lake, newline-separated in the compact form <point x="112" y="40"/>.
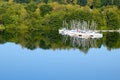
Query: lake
<point x="46" y="55"/>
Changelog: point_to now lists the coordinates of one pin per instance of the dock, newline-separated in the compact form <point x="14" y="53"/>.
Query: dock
<point x="108" y="30"/>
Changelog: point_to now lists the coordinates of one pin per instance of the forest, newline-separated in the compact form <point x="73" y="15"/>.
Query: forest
<point x="49" y="14"/>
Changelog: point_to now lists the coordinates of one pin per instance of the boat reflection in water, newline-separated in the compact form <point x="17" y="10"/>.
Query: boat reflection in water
<point x="80" y="39"/>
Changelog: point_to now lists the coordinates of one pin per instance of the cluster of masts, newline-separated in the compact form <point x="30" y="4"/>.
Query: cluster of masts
<point x="80" y="29"/>
<point x="80" y="25"/>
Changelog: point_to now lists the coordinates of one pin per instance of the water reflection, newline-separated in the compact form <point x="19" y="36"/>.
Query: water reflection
<point x="82" y="43"/>
<point x="48" y="39"/>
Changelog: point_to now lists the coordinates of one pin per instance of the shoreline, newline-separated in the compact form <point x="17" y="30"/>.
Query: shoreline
<point x="108" y="30"/>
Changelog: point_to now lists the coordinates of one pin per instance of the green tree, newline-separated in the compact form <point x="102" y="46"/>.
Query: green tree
<point x="82" y="2"/>
<point x="71" y="1"/>
<point x="117" y="3"/>
<point x="97" y="3"/>
<point x="45" y="1"/>
<point x="106" y="2"/>
<point x="113" y="19"/>
<point x="22" y="1"/>
<point x="45" y="9"/>
<point x="89" y="2"/>
<point x="31" y="7"/>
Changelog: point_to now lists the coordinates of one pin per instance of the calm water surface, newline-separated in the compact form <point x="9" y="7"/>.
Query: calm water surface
<point x="20" y="63"/>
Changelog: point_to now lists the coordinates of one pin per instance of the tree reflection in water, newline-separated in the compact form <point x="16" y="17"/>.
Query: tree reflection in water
<point x="49" y="39"/>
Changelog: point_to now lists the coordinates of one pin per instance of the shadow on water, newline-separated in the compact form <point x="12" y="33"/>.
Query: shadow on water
<point x="49" y="39"/>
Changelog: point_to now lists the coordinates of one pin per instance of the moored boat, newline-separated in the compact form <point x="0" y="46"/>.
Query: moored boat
<point x="81" y="33"/>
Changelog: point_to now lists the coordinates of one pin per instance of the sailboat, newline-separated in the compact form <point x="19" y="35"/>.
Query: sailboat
<point x="80" y="29"/>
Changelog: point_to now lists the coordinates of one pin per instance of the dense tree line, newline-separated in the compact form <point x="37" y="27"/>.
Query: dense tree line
<point x="49" y="14"/>
<point x="91" y="3"/>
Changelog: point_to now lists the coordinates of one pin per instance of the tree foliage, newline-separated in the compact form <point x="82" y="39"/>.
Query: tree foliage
<point x="45" y="9"/>
<point x="39" y="14"/>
